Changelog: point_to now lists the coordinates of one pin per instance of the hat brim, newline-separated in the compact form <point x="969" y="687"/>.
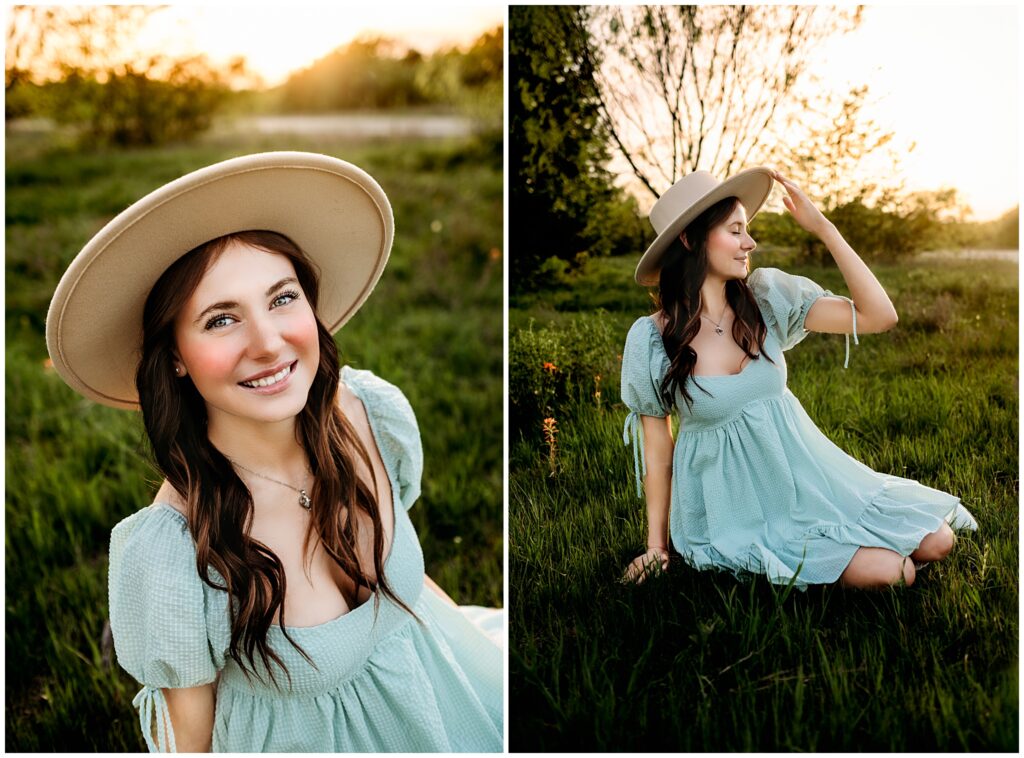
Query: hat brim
<point x="752" y="186"/>
<point x="333" y="210"/>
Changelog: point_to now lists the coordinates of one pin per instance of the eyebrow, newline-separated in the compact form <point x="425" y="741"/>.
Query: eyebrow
<point x="229" y="304"/>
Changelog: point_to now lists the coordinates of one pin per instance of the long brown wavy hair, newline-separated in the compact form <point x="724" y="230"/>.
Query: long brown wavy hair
<point x="679" y="298"/>
<point x="219" y="505"/>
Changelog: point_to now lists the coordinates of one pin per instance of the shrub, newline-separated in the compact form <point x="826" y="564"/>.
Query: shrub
<point x="550" y="365"/>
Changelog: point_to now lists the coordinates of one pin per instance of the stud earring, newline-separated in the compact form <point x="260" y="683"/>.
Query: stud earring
<point x="177" y="370"/>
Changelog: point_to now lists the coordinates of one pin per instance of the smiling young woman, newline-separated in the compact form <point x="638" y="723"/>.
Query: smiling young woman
<point x="251" y="350"/>
<point x="272" y="597"/>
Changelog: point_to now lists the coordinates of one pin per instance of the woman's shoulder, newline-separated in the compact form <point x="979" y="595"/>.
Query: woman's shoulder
<point x="157" y="516"/>
<point x="761" y="279"/>
<point x="648" y="324"/>
<point x="365" y="385"/>
<point x="391" y="421"/>
<point x="645" y="339"/>
<point x="384" y="403"/>
<point x="767" y="281"/>
<point x="152" y="551"/>
<point x="157" y="532"/>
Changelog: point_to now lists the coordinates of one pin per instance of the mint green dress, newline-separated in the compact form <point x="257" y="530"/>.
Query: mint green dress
<point x="381" y="683"/>
<point x="756" y="487"/>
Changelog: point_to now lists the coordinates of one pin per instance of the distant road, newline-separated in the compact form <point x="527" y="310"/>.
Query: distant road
<point x="353" y="125"/>
<point x="327" y="124"/>
<point x="980" y="255"/>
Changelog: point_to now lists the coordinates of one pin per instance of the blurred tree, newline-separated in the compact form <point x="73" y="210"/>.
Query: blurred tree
<point x="371" y="72"/>
<point x="1003" y="233"/>
<point x="473" y="81"/>
<point x="78" y="65"/>
<point x="377" y="73"/>
<point x="681" y="88"/>
<point x="896" y="224"/>
<point x="562" y="199"/>
<point x="838" y="139"/>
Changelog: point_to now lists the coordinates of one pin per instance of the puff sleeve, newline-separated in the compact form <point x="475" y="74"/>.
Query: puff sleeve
<point x="644" y="366"/>
<point x="169" y="627"/>
<point x="394" y="428"/>
<point x="785" y="299"/>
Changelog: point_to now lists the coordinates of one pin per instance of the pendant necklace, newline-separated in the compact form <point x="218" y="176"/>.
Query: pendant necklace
<point x="304" y="499"/>
<point x="718" y="328"/>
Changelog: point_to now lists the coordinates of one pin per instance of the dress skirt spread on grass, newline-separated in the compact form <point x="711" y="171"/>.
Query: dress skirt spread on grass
<point x="383" y="682"/>
<point x="756" y="486"/>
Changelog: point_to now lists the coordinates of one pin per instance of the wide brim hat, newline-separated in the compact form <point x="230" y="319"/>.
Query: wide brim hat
<point x="687" y="199"/>
<point x="333" y="210"/>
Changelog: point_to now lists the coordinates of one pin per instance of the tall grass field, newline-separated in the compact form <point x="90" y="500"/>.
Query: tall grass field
<point x="74" y="469"/>
<point x="701" y="661"/>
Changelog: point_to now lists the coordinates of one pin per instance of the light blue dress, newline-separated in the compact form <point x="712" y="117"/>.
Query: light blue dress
<point x="756" y="486"/>
<point x="384" y="683"/>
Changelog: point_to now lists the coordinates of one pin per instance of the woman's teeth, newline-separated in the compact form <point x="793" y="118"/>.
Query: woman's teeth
<point x="267" y="381"/>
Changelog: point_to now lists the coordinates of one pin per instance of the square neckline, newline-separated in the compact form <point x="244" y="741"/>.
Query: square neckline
<point x="395" y="504"/>
<point x="661" y="346"/>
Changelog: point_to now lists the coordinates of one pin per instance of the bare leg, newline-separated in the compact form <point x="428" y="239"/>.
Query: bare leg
<point x="877" y="568"/>
<point x="935" y="546"/>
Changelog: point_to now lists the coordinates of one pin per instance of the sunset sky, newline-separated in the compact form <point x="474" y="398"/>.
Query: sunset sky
<point x="949" y="79"/>
<point x="279" y="38"/>
<point x="944" y="79"/>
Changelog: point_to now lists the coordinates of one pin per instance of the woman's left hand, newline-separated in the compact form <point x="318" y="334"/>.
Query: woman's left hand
<point x="803" y="210"/>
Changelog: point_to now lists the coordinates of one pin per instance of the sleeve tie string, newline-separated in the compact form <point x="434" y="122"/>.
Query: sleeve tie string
<point x="151" y="703"/>
<point x="632" y="431"/>
<point x="853" y="308"/>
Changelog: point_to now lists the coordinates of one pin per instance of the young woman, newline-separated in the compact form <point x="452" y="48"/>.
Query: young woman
<point x="272" y="598"/>
<point x="751" y="485"/>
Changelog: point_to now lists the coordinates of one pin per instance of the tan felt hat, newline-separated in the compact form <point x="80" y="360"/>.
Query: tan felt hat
<point x="687" y="199"/>
<point x="332" y="209"/>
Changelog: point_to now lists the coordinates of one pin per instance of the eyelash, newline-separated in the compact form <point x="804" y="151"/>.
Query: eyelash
<point x="220" y="316"/>
<point x="288" y="293"/>
<point x="214" y="319"/>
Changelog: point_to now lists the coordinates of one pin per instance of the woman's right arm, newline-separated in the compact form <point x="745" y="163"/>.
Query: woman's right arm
<point x="658" y="446"/>
<point x="191" y="710"/>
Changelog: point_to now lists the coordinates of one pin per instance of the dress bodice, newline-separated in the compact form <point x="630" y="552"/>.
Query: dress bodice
<point x="378" y="677"/>
<point x="717" y="400"/>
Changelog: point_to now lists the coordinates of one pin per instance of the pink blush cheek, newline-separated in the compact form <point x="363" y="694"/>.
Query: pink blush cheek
<point x="211" y="364"/>
<point x="303" y="334"/>
<point x="721" y="240"/>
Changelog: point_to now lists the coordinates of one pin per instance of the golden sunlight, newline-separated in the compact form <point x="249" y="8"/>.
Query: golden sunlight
<point x="946" y="80"/>
<point x="278" y="39"/>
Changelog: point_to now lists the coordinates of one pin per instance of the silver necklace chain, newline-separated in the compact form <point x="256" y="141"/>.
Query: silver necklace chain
<point x="718" y="328"/>
<point x="304" y="499"/>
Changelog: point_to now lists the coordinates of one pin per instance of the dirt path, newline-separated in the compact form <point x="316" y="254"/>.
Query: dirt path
<point x="353" y="125"/>
<point x="979" y="255"/>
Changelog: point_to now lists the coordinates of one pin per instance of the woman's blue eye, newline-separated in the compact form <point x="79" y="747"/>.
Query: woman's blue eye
<point x="218" y="321"/>
<point x="287" y="297"/>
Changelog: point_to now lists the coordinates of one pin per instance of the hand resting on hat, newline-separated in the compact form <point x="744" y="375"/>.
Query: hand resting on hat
<point x="804" y="211"/>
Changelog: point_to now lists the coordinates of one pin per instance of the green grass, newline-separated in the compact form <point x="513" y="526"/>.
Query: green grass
<point x="74" y="469"/>
<point x="698" y="661"/>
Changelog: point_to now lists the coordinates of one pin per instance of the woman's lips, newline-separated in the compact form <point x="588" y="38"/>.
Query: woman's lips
<point x="268" y="385"/>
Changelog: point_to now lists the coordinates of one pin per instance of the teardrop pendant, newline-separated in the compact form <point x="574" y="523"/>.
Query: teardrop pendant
<point x="304" y="500"/>
<point x="720" y="330"/>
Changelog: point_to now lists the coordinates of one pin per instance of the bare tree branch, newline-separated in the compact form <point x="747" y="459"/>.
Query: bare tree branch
<point x="716" y="87"/>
